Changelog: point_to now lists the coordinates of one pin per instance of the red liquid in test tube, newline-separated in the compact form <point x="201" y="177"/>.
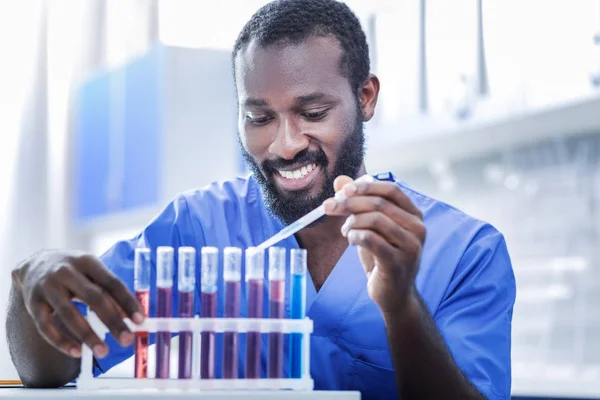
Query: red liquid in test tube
<point x="141" y="285"/>
<point x="254" y="280"/>
<point x="208" y="305"/>
<point x="276" y="309"/>
<point x="164" y="308"/>
<point x="232" y="275"/>
<point x="186" y="286"/>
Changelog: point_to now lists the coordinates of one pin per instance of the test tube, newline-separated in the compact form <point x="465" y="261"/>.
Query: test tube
<point x="276" y="309"/>
<point x="164" y="300"/>
<point x="232" y="275"/>
<point x="297" y="307"/>
<point x="254" y="280"/>
<point x="141" y="284"/>
<point x="208" y="302"/>
<point x="186" y="284"/>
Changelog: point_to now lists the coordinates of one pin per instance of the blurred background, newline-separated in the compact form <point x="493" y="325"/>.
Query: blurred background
<point x="109" y="108"/>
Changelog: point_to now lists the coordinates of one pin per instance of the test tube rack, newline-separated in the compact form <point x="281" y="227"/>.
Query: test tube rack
<point x="87" y="381"/>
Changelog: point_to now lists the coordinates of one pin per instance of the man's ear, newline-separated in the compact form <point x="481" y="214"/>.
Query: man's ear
<point x="368" y="97"/>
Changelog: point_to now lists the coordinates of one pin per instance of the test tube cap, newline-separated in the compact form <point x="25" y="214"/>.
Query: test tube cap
<point x="164" y="266"/>
<point x="232" y="264"/>
<point x="255" y="263"/>
<point x="277" y="263"/>
<point x="298" y="261"/>
<point x="142" y="265"/>
<point x="187" y="268"/>
<point x="209" y="269"/>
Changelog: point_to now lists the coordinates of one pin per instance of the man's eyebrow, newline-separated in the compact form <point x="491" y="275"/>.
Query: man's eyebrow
<point x="255" y="103"/>
<point x="309" y="98"/>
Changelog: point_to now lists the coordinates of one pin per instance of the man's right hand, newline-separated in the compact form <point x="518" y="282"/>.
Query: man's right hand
<point x="49" y="284"/>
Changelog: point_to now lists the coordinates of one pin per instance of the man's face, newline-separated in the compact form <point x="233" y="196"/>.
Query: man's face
<point x="300" y="123"/>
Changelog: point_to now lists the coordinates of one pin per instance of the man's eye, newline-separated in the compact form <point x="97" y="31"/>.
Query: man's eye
<point x="257" y="120"/>
<point x="315" y="116"/>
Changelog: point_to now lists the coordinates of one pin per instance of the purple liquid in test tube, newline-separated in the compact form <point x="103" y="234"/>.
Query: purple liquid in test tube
<point x="276" y="309"/>
<point x="232" y="275"/>
<point x="208" y="304"/>
<point x="164" y="299"/>
<point x="254" y="280"/>
<point x="186" y="285"/>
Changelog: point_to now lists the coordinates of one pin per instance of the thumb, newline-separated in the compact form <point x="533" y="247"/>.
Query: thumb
<point x="340" y="182"/>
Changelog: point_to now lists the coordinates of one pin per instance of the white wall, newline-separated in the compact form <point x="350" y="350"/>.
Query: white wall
<point x="23" y="214"/>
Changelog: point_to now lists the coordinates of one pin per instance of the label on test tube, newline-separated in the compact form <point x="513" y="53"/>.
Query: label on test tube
<point x="186" y="285"/>
<point x="276" y="309"/>
<point x="208" y="303"/>
<point x="298" y="268"/>
<point x="232" y="275"/>
<point x="141" y="284"/>
<point x="164" y="299"/>
<point x="254" y="279"/>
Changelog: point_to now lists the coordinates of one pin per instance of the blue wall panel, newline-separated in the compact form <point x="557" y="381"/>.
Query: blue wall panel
<point x="119" y="170"/>
<point x="143" y="127"/>
<point x="91" y="156"/>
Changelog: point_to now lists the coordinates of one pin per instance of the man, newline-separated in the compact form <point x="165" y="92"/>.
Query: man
<point x="396" y="314"/>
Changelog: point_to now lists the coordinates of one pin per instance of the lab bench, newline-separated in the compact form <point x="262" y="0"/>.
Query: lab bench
<point x="150" y="394"/>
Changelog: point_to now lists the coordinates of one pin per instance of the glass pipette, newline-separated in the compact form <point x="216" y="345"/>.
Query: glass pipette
<point x="306" y="220"/>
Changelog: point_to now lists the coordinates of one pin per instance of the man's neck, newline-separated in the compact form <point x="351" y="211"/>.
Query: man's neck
<point x="325" y="246"/>
<point x="325" y="233"/>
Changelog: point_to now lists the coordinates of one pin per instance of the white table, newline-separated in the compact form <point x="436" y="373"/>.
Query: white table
<point x="72" y="393"/>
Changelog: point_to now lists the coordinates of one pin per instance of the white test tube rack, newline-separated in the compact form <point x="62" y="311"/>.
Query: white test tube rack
<point x="87" y="381"/>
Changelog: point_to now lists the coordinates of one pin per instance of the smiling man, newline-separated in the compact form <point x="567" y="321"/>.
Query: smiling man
<point x="410" y="297"/>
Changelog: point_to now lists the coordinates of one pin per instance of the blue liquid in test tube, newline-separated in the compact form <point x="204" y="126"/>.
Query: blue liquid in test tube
<point x="186" y="286"/>
<point x="298" y="268"/>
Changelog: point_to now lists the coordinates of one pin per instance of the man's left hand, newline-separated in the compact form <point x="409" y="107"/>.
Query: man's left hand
<point x="389" y="232"/>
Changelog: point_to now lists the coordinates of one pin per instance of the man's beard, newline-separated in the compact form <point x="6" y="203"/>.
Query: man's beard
<point x="290" y="206"/>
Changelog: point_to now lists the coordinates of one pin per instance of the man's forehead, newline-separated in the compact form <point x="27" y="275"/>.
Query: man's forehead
<point x="283" y="66"/>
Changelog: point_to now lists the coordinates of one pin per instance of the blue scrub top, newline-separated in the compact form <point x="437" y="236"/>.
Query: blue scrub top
<point x="465" y="279"/>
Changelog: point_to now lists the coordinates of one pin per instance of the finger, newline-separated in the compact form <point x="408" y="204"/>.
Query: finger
<point x="367" y="260"/>
<point x="43" y="319"/>
<point x="74" y="320"/>
<point x="102" y="304"/>
<point x="373" y="242"/>
<point x="385" y="227"/>
<point x="340" y="182"/>
<point x="388" y="190"/>
<point x="364" y="204"/>
<point x="93" y="268"/>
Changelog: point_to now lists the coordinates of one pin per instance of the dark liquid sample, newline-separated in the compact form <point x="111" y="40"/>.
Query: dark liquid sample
<point x="141" y="338"/>
<point x="186" y="310"/>
<point x="276" y="302"/>
<point x="255" y="303"/>
<point x="208" y="304"/>
<point x="163" y="339"/>
<point x="230" y="339"/>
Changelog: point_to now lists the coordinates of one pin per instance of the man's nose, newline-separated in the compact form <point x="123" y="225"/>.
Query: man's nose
<point x="289" y="139"/>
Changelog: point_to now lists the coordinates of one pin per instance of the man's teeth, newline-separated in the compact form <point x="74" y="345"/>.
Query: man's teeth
<point x="298" y="173"/>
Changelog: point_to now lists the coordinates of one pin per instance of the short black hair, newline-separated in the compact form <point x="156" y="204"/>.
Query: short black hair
<point x="294" y="21"/>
